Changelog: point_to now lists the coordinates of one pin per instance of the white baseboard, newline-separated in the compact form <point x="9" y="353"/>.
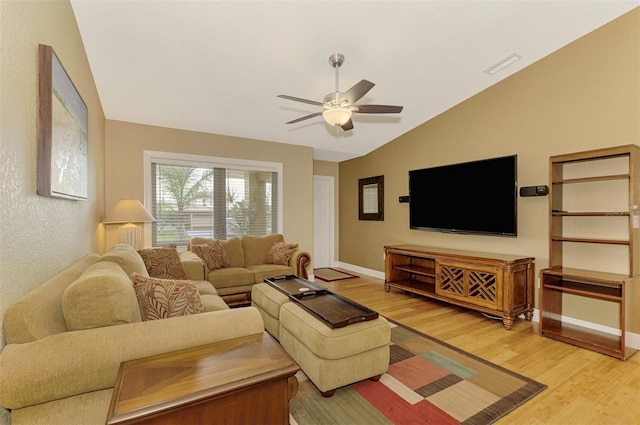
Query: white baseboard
<point x="632" y="339"/>
<point x="358" y="269"/>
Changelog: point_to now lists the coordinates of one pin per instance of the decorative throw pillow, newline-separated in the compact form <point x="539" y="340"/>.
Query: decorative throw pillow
<point x="213" y="254"/>
<point x="163" y="263"/>
<point x="280" y="252"/>
<point x="163" y="298"/>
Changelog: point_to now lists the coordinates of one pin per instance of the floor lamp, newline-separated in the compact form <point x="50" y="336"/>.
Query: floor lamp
<point x="129" y="211"/>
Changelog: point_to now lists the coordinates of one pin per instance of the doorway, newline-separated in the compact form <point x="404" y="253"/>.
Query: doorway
<point x="323" y="221"/>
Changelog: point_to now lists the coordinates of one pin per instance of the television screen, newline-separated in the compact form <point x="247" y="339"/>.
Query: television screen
<point x="471" y="197"/>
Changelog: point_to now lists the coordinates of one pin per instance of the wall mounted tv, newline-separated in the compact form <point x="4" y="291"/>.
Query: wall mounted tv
<point x="471" y="197"/>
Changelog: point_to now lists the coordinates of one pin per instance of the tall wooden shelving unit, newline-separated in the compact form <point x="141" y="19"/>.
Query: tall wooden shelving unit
<point x="574" y="212"/>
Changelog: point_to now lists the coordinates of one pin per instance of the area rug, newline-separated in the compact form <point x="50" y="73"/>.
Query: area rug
<point x="428" y="382"/>
<point x="329" y="275"/>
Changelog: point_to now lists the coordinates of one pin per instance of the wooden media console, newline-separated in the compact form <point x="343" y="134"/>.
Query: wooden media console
<point x="496" y="284"/>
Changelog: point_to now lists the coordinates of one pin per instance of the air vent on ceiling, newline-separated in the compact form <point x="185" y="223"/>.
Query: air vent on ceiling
<point x="509" y="60"/>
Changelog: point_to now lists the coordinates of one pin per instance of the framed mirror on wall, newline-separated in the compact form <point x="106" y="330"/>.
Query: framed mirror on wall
<point x="371" y="198"/>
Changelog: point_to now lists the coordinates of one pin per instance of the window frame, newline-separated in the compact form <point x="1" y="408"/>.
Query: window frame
<point x="192" y="160"/>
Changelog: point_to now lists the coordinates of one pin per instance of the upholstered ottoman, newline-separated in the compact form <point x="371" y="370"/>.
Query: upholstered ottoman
<point x="268" y="301"/>
<point x="333" y="358"/>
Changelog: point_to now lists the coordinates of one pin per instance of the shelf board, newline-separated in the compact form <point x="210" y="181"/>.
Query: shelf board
<point x="588" y="289"/>
<point x="590" y="213"/>
<point x="414" y="286"/>
<point x="413" y="269"/>
<point x="589" y="275"/>
<point x="584" y="337"/>
<point x="590" y="240"/>
<point x="593" y="179"/>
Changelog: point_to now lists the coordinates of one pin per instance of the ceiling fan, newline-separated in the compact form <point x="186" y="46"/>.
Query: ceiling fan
<point x="339" y="106"/>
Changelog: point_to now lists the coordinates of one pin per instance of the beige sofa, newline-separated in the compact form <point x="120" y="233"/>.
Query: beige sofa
<point x="52" y="375"/>
<point x="247" y="256"/>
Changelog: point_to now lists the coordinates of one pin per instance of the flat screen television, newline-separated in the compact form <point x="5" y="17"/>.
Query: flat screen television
<point x="471" y="197"/>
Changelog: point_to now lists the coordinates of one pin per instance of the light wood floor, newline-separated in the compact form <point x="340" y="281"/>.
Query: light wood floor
<point x="584" y="387"/>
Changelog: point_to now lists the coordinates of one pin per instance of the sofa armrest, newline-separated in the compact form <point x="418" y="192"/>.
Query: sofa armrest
<point x="299" y="261"/>
<point x="75" y="362"/>
<point x="194" y="266"/>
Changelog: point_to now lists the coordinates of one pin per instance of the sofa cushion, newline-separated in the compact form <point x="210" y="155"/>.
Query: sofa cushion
<point x="232" y="246"/>
<point x="263" y="271"/>
<point x="280" y="252"/>
<point x="213" y="303"/>
<point x="235" y="251"/>
<point x="127" y="258"/>
<point x="213" y="254"/>
<point x="38" y="313"/>
<point x="205" y="287"/>
<point x="80" y="409"/>
<point x="101" y="296"/>
<point x="163" y="263"/>
<point x="163" y="298"/>
<point x="230" y="277"/>
<point x="256" y="248"/>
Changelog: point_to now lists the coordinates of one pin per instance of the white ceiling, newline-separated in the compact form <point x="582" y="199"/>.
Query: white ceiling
<point x="217" y="66"/>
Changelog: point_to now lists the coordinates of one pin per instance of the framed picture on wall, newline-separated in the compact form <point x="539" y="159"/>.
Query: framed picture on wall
<point x="62" y="131"/>
<point x="371" y="198"/>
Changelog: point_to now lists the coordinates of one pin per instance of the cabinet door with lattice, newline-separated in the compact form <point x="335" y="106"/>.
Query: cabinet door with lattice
<point x="476" y="285"/>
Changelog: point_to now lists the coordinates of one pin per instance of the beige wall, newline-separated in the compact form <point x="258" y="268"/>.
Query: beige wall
<point x="40" y="236"/>
<point x="584" y="96"/>
<point x="126" y="142"/>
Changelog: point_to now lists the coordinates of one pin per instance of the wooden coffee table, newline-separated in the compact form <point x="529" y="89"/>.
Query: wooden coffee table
<point x="247" y="380"/>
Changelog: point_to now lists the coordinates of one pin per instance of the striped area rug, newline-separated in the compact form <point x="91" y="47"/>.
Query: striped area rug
<point x="428" y="382"/>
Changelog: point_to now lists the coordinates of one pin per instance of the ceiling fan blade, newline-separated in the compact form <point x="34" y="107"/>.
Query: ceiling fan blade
<point x="356" y="92"/>
<point x="297" y="99"/>
<point x="347" y="126"/>
<point x="306" y="117"/>
<point x="377" y="109"/>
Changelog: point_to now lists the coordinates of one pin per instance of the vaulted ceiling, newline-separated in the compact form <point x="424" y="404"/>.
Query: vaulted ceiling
<point x="217" y="66"/>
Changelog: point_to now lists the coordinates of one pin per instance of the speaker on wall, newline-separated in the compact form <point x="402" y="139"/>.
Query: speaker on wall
<point x="534" y="191"/>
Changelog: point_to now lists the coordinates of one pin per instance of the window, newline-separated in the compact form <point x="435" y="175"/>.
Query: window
<point x="191" y="195"/>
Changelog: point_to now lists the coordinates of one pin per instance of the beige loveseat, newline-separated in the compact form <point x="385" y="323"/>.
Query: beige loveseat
<point x="52" y="375"/>
<point x="247" y="266"/>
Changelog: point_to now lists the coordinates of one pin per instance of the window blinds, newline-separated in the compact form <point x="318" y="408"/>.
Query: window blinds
<point x="220" y="203"/>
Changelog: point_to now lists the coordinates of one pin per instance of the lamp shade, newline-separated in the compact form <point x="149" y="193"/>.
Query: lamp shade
<point x="337" y="116"/>
<point x="128" y="211"/>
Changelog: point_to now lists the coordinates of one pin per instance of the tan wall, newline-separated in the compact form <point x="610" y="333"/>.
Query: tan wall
<point x="39" y="236"/>
<point x="126" y="143"/>
<point x="584" y="96"/>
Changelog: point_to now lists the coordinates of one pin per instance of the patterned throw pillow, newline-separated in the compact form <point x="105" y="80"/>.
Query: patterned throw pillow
<point x="213" y="254"/>
<point x="163" y="263"/>
<point x="163" y="298"/>
<point x="280" y="252"/>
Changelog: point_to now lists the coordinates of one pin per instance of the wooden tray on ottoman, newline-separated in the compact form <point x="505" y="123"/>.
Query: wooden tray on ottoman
<point x="331" y="309"/>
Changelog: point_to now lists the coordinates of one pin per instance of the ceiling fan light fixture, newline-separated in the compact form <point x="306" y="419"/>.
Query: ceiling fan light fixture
<point x="337" y="116"/>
